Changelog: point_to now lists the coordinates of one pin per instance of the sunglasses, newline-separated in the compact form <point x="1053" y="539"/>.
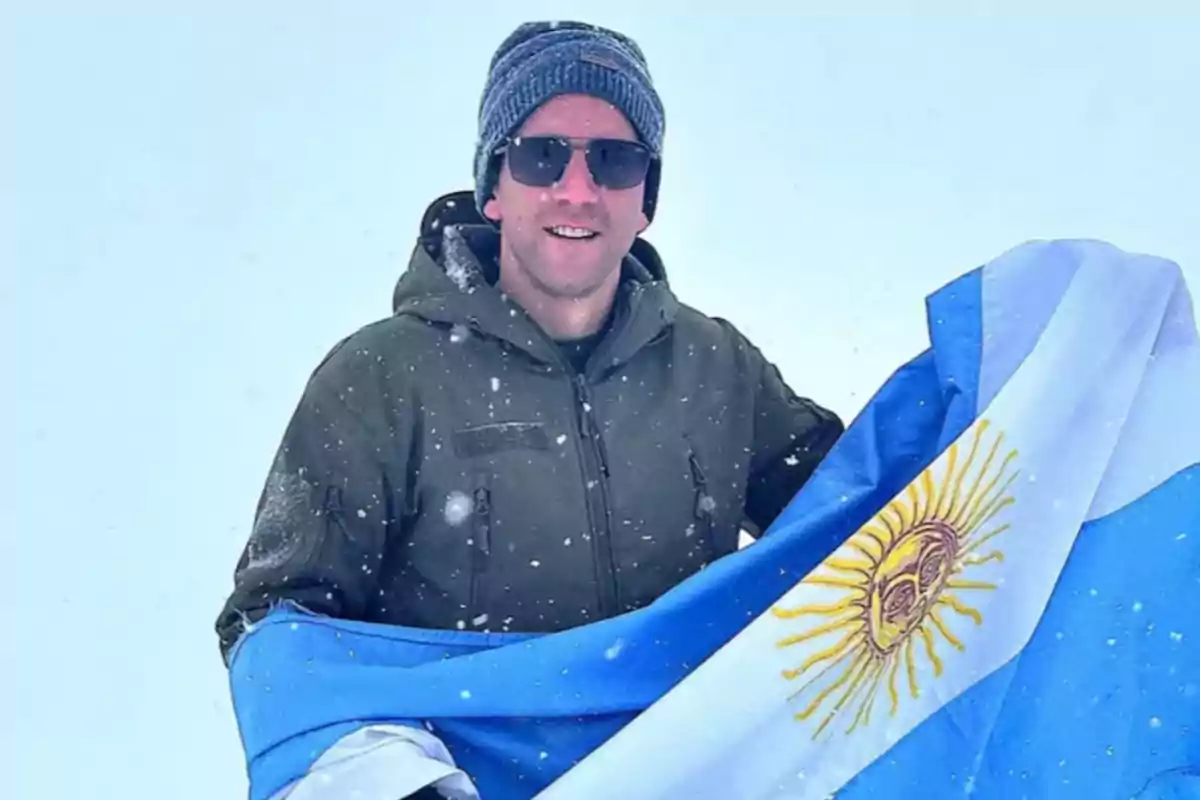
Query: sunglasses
<point x="542" y="160"/>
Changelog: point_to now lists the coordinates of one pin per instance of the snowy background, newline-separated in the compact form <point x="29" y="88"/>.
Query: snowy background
<point x="197" y="202"/>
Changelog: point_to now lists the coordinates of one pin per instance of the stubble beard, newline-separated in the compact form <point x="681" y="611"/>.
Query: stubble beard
<point x="538" y="273"/>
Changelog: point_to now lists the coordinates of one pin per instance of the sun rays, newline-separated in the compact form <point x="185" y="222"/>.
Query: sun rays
<point x="892" y="585"/>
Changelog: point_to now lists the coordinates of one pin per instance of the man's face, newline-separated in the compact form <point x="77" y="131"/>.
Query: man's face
<point x="532" y="218"/>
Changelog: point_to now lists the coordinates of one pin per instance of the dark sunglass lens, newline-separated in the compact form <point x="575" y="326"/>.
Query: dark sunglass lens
<point x="618" y="164"/>
<point x="538" y="160"/>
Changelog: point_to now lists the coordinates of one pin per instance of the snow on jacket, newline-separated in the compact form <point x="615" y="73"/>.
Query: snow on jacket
<point x="447" y="467"/>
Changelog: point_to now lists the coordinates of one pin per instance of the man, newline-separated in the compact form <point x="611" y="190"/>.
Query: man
<point x="541" y="435"/>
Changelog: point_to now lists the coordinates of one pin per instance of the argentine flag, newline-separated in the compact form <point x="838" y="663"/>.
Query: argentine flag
<point x="988" y="589"/>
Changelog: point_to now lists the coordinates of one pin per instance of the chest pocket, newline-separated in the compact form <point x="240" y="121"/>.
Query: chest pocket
<point x="485" y="451"/>
<point x="523" y="529"/>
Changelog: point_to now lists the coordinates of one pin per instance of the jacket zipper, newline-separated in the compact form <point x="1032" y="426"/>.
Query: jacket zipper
<point x="595" y="469"/>
<point x="593" y="456"/>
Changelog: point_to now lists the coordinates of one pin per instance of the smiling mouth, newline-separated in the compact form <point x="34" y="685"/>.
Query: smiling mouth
<point x="571" y="232"/>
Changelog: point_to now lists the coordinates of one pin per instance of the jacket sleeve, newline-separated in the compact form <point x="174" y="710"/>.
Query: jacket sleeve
<point x="329" y="501"/>
<point x="384" y="760"/>
<point x="791" y="436"/>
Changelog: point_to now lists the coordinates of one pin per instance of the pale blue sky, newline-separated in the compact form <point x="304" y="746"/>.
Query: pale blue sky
<point x="198" y="203"/>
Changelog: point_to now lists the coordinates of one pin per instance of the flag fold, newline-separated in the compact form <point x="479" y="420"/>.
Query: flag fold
<point x="987" y="588"/>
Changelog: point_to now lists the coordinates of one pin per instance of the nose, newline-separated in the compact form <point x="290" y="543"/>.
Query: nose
<point x="576" y="186"/>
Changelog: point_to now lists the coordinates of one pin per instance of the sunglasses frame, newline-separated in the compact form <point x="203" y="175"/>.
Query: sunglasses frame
<point x="585" y="144"/>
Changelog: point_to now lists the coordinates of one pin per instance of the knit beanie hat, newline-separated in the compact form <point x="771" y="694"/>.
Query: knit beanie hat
<point x="540" y="60"/>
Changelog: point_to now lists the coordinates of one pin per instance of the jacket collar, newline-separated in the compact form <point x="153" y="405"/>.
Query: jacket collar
<point x="451" y="279"/>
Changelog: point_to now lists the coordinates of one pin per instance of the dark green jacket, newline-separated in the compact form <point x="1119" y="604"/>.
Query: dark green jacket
<point x="447" y="467"/>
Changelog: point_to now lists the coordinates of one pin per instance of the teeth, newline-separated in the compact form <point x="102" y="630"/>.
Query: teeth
<point x="572" y="233"/>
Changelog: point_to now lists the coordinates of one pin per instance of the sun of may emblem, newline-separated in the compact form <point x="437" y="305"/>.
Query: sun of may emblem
<point x="894" y="580"/>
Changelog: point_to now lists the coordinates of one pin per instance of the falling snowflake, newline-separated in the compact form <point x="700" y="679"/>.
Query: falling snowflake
<point x="458" y="508"/>
<point x="495" y="384"/>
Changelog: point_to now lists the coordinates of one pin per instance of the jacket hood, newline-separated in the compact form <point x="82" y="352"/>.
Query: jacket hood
<point x="451" y="275"/>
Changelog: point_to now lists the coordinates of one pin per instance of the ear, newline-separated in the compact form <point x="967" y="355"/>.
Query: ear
<point x="644" y="222"/>
<point x="491" y="209"/>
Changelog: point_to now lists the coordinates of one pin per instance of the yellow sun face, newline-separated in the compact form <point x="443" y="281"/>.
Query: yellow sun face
<point x="896" y="577"/>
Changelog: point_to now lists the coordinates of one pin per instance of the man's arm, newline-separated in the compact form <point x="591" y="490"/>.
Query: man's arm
<point x="791" y="436"/>
<point x="334" y="492"/>
<point x="329" y="501"/>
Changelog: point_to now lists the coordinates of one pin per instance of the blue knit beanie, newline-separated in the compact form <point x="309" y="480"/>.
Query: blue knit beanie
<point x="540" y="60"/>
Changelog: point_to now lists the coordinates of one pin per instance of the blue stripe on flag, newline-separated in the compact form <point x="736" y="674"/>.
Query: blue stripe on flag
<point x="1106" y="695"/>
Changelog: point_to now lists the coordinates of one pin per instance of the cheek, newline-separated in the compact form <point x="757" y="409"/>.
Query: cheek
<point x="628" y="213"/>
<point x="526" y="204"/>
<point x="515" y="203"/>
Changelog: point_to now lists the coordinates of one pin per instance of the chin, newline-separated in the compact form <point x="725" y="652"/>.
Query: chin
<point x="565" y="275"/>
<point x="570" y="291"/>
<point x="584" y="275"/>
<point x="573" y="287"/>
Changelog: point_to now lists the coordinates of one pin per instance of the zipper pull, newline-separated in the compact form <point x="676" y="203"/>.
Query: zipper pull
<point x="483" y="505"/>
<point x="603" y="454"/>
<point x="704" y="503"/>
<point x="587" y="423"/>
<point x="581" y="397"/>
<point x="482" y="509"/>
